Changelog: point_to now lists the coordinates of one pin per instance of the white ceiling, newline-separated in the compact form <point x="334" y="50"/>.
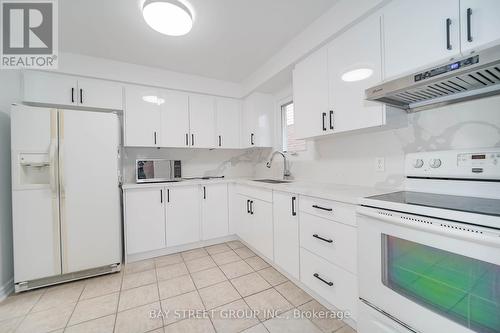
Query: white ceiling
<point x="229" y="41"/>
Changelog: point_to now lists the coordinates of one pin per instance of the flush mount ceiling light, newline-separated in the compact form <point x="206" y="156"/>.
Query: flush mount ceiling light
<point x="357" y="74"/>
<point x="153" y="99"/>
<point x="169" y="17"/>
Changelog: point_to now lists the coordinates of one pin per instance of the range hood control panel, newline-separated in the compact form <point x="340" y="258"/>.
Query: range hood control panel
<point x="446" y="68"/>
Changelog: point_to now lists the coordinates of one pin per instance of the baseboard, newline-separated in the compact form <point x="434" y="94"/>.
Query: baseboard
<point x="130" y="258"/>
<point x="7" y="289"/>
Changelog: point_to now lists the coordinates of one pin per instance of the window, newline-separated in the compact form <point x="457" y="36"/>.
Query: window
<point x="290" y="143"/>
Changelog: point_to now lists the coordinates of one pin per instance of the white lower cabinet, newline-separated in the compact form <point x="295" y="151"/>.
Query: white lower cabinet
<point x="336" y="242"/>
<point x="144" y="219"/>
<point x="214" y="211"/>
<point x="261" y="226"/>
<point x="335" y="285"/>
<point x="255" y="225"/>
<point x="182" y="215"/>
<point x="286" y="232"/>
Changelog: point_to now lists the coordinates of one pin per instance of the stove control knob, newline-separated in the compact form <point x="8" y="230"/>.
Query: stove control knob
<point x="435" y="163"/>
<point x="418" y="163"/>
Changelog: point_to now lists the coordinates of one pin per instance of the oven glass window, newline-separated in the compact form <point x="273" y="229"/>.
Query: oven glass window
<point x="463" y="289"/>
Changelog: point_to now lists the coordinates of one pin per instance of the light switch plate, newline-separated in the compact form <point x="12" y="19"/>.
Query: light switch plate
<point x="380" y="164"/>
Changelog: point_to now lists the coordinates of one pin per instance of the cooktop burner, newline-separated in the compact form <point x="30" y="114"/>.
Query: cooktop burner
<point x="451" y="202"/>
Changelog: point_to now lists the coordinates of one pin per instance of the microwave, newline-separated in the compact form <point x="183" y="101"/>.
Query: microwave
<point x="157" y="170"/>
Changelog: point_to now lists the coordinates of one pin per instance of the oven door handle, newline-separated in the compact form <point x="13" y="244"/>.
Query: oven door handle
<point x="389" y="217"/>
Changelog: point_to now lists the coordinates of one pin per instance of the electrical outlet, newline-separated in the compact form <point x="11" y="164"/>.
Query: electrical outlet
<point x="380" y="164"/>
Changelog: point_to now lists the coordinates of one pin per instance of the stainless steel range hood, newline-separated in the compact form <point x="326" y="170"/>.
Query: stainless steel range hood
<point x="471" y="77"/>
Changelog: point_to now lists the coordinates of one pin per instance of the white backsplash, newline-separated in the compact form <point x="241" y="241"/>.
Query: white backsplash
<point x="350" y="158"/>
<point x="199" y="162"/>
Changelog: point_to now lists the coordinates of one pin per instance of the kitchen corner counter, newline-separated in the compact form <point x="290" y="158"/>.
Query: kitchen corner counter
<point x="349" y="194"/>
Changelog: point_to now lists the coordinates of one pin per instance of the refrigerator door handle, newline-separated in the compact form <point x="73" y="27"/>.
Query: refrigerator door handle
<point x="62" y="184"/>
<point x="53" y="167"/>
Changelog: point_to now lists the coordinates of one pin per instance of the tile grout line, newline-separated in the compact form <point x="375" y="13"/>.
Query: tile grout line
<point x="74" y="308"/>
<point x="196" y="288"/>
<point x="118" y="303"/>
<point x="243" y="298"/>
<point x="199" y="296"/>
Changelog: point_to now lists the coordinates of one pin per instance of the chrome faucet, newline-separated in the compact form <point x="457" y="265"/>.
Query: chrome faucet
<point x="286" y="170"/>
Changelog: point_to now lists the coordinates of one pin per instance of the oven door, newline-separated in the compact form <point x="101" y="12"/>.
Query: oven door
<point x="432" y="275"/>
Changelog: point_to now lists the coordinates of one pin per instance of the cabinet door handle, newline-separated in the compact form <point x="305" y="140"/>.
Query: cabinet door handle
<point x="448" y="32"/>
<point x="192" y="139"/>
<point x="72" y="95"/>
<point x="161" y="196"/>
<point x="204" y="192"/>
<point x="81" y="96"/>
<point x="252" y="139"/>
<point x="168" y="195"/>
<point x="331" y="119"/>
<point x="251" y="207"/>
<point x="248" y="206"/>
<point x="155" y="136"/>
<point x="220" y="141"/>
<point x="323" y="116"/>
<point x="469" y="26"/>
<point x="294" y="212"/>
<point x="323" y="239"/>
<point x="322" y="208"/>
<point x="329" y="283"/>
<point x="187" y="139"/>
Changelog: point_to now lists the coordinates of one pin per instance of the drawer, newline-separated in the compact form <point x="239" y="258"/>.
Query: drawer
<point x="331" y="210"/>
<point x="255" y="192"/>
<point x="331" y="240"/>
<point x="339" y="287"/>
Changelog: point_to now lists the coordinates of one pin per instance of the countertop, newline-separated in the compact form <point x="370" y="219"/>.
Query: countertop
<point x="350" y="194"/>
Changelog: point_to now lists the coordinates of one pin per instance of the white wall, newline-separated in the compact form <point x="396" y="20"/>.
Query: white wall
<point x="120" y="71"/>
<point x="350" y="158"/>
<point x="342" y="15"/>
<point x="9" y="93"/>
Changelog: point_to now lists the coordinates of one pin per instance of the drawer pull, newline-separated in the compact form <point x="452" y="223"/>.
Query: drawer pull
<point x="323" y="239"/>
<point x="322" y="208"/>
<point x="329" y="283"/>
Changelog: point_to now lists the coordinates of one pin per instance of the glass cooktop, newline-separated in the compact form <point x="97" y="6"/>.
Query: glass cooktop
<point x="451" y="202"/>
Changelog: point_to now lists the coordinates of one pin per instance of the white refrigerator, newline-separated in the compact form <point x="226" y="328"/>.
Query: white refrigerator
<point x="65" y="195"/>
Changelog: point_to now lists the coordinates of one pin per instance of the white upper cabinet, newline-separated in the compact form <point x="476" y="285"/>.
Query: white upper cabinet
<point x="214" y="211"/>
<point x="183" y="215"/>
<point x="142" y="116"/>
<point x="420" y="33"/>
<point x="257" y="121"/>
<point x="480" y="24"/>
<point x="100" y="94"/>
<point x="227" y="120"/>
<point x="202" y="121"/>
<point x="58" y="89"/>
<point x="310" y="95"/>
<point x="174" y="119"/>
<point x="357" y="48"/>
<point x="48" y="88"/>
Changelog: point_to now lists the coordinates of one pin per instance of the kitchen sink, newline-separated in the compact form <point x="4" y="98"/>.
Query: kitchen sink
<point x="272" y="181"/>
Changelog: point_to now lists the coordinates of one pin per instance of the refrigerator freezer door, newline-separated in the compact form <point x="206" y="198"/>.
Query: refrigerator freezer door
<point x="35" y="200"/>
<point x="90" y="203"/>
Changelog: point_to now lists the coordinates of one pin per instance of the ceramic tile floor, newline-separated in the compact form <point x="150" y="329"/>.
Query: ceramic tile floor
<point x="223" y="288"/>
